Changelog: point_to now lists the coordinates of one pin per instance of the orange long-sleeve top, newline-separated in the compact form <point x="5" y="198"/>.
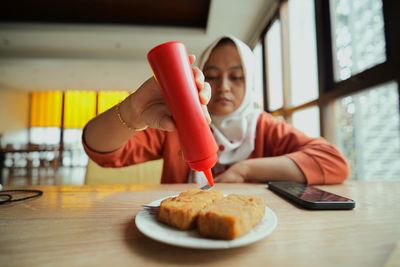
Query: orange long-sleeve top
<point x="320" y="161"/>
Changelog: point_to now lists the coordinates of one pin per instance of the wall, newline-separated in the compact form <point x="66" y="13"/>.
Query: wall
<point x="78" y="74"/>
<point x="14" y="107"/>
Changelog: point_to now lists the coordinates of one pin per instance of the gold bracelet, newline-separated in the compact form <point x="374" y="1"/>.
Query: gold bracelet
<point x="124" y="122"/>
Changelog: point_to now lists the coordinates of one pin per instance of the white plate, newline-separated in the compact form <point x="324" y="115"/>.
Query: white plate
<point x="151" y="227"/>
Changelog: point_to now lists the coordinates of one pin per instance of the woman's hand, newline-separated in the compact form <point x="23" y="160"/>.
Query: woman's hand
<point x="237" y="173"/>
<point x="147" y="107"/>
<point x="144" y="108"/>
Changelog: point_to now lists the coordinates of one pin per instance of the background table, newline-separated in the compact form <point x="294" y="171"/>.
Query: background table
<point x="25" y="151"/>
<point x="94" y="226"/>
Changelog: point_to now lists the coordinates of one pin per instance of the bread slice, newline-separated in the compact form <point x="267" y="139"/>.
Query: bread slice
<point x="182" y="211"/>
<point x="233" y="216"/>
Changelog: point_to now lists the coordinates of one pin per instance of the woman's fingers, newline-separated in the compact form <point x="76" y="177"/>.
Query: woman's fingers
<point x="198" y="77"/>
<point x="166" y="123"/>
<point x="192" y="59"/>
<point x="157" y="115"/>
<point x="228" y="178"/>
<point x="198" y="74"/>
<point x="204" y="88"/>
<point x="234" y="174"/>
<point x="205" y="94"/>
<point x="206" y="114"/>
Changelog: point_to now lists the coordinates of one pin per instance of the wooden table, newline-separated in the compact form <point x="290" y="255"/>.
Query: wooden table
<point x="94" y="226"/>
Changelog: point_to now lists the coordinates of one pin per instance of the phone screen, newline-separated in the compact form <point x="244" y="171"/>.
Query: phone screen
<point x="316" y="195"/>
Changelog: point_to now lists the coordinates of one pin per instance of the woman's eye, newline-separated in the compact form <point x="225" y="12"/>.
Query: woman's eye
<point x="211" y="78"/>
<point x="237" y="78"/>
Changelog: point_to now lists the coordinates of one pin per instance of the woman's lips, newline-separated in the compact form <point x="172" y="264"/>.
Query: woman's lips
<point x="223" y="100"/>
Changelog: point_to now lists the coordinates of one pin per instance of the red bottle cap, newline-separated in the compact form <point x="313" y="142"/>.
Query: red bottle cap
<point x="209" y="176"/>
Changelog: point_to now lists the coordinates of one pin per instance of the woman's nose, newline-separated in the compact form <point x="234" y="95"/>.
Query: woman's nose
<point x="224" y="85"/>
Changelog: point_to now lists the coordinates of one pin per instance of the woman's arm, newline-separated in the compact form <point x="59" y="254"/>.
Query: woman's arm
<point x="262" y="170"/>
<point x="106" y="132"/>
<point x="284" y="153"/>
<point x="144" y="108"/>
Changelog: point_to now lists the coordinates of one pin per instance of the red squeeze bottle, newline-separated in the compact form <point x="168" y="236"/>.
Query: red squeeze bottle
<point x="170" y="64"/>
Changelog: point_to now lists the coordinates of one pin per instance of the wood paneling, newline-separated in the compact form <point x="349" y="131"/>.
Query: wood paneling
<point x="183" y="13"/>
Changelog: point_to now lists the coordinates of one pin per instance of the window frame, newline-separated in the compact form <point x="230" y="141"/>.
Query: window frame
<point x="329" y="89"/>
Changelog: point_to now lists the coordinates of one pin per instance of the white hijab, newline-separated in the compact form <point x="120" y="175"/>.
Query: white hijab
<point x="236" y="131"/>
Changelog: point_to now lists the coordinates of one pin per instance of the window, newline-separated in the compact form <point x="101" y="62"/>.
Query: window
<point x="73" y="154"/>
<point x="107" y="99"/>
<point x="291" y="66"/>
<point x="307" y="121"/>
<point x="302" y="52"/>
<point x="358" y="36"/>
<point x="45" y="135"/>
<point x="339" y="78"/>
<point x="258" y="84"/>
<point x="274" y="66"/>
<point x="45" y="109"/>
<point x="79" y="108"/>
<point x="368" y="132"/>
<point x="46" y="114"/>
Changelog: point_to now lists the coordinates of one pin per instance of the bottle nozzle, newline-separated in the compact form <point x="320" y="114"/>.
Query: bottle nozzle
<point x="209" y="177"/>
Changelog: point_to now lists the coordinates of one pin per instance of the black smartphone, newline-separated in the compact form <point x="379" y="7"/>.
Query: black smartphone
<point x="310" y="197"/>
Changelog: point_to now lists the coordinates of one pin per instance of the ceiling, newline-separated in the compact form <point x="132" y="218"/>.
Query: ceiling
<point x="61" y="48"/>
<point x="180" y="13"/>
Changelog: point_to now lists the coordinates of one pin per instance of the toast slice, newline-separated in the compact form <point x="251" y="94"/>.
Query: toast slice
<point x="181" y="212"/>
<point x="231" y="217"/>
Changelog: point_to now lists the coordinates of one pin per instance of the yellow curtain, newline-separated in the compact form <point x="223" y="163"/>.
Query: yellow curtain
<point x="45" y="109"/>
<point x="79" y="108"/>
<point x="107" y="99"/>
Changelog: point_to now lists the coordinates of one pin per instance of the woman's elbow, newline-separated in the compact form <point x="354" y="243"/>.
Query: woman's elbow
<point x="339" y="171"/>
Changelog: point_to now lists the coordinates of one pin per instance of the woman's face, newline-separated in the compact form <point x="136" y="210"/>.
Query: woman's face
<point x="224" y="72"/>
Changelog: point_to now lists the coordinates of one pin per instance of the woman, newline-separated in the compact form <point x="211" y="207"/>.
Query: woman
<point x="253" y="146"/>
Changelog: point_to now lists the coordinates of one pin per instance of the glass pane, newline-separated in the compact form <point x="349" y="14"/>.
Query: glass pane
<point x="274" y="66"/>
<point x="357" y="36"/>
<point x="368" y="132"/>
<point x="258" y="85"/>
<point x="74" y="154"/>
<point x="307" y="121"/>
<point x="16" y="138"/>
<point x="303" y="52"/>
<point x="45" y="135"/>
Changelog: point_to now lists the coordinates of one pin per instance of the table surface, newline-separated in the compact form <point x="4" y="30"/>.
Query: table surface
<point x="94" y="226"/>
